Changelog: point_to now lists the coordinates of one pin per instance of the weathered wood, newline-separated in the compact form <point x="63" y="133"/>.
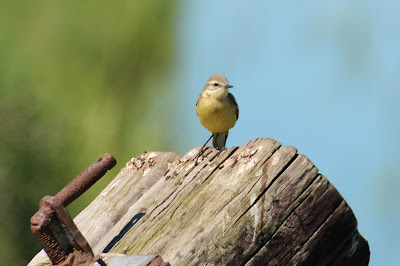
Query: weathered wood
<point x="258" y="204"/>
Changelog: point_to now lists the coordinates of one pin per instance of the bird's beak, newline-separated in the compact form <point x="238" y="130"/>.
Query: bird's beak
<point x="228" y="86"/>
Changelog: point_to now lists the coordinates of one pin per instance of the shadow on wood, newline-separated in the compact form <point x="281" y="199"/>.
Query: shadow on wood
<point x="259" y="204"/>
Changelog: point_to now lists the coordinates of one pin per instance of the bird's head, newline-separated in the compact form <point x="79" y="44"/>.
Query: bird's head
<point x="217" y="84"/>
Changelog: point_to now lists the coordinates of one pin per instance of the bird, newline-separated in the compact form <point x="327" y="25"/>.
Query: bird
<point x="217" y="110"/>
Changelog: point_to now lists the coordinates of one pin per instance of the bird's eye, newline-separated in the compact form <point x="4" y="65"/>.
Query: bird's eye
<point x="215" y="84"/>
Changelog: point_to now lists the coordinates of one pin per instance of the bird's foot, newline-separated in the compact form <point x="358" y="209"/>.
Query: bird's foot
<point x="200" y="154"/>
<point x="221" y="150"/>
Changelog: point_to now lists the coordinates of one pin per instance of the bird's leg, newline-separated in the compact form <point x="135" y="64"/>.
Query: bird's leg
<point x="201" y="150"/>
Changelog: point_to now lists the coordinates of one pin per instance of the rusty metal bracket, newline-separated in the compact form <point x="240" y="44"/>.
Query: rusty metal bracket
<point x="53" y="226"/>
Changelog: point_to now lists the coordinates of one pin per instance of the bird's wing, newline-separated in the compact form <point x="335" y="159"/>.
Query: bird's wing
<point x="197" y="103"/>
<point x="233" y="100"/>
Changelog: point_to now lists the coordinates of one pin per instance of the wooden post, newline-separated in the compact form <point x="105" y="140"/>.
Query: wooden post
<point x="258" y="204"/>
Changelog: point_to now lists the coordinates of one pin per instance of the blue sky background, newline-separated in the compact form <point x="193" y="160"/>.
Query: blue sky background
<point x="323" y="77"/>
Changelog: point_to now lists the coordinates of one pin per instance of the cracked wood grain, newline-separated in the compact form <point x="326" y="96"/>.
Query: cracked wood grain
<point x="258" y="204"/>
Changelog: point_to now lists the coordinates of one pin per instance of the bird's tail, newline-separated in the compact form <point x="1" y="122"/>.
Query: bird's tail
<point x="219" y="140"/>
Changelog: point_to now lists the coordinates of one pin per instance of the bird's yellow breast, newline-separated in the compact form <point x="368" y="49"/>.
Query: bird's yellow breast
<point x="216" y="115"/>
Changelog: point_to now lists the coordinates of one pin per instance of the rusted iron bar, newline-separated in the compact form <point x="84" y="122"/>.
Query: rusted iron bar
<point x="86" y="179"/>
<point x="53" y="226"/>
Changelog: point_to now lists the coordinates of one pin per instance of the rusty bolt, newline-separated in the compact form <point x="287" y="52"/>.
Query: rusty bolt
<point x="86" y="179"/>
<point x="52" y="213"/>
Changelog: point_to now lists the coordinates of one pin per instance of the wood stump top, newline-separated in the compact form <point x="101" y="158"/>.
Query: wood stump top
<point x="258" y="204"/>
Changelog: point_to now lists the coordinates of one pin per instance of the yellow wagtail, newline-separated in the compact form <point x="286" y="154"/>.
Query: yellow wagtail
<point x="217" y="110"/>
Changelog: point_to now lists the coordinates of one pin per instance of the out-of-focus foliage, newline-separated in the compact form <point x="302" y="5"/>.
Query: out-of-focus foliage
<point x="77" y="80"/>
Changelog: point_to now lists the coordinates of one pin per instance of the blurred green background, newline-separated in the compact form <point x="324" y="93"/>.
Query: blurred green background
<point x="77" y="80"/>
